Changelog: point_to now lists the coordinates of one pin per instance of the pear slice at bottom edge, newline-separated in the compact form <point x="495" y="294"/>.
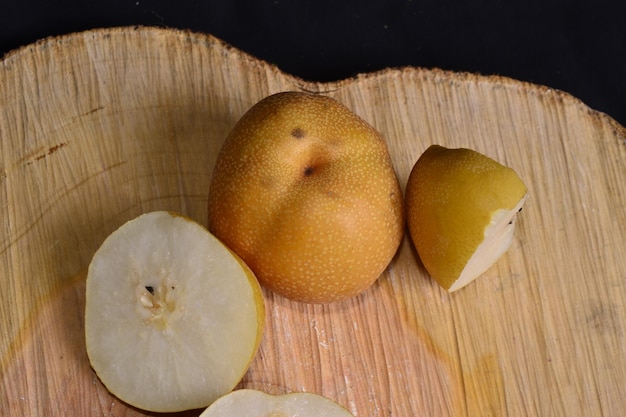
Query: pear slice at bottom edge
<point x="173" y="318"/>
<point x="254" y="403"/>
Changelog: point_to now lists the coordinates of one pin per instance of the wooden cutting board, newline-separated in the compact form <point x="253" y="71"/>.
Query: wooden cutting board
<point x="98" y="127"/>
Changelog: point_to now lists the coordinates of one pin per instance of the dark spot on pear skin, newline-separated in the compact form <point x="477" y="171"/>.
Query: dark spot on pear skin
<point x="308" y="171"/>
<point x="150" y="289"/>
<point x="298" y="133"/>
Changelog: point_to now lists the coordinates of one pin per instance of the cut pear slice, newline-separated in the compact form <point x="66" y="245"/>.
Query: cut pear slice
<point x="253" y="403"/>
<point x="461" y="212"/>
<point x="173" y="318"/>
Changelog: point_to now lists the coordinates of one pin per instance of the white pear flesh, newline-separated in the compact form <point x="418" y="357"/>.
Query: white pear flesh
<point x="254" y="403"/>
<point x="498" y="238"/>
<point x="172" y="317"/>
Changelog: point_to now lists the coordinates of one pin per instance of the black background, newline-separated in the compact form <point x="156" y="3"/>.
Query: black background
<point x="575" y="46"/>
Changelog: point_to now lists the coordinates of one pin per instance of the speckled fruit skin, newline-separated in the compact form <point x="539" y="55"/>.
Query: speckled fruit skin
<point x="304" y="191"/>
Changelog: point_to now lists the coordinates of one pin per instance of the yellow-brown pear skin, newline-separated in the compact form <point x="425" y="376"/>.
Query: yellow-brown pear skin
<point x="454" y="197"/>
<point x="305" y="192"/>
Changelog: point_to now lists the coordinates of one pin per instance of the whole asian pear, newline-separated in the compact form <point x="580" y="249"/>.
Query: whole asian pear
<point x="305" y="192"/>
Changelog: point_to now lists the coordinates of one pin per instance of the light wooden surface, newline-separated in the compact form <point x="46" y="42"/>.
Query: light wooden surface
<point x="98" y="127"/>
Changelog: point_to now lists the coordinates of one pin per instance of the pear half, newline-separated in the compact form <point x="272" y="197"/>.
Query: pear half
<point x="461" y="212"/>
<point x="253" y="403"/>
<point x="173" y="318"/>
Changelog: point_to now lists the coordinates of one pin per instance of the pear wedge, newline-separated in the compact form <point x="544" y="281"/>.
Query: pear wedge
<point x="461" y="212"/>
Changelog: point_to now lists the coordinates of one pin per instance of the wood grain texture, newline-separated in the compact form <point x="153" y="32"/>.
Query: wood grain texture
<point x="98" y="127"/>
